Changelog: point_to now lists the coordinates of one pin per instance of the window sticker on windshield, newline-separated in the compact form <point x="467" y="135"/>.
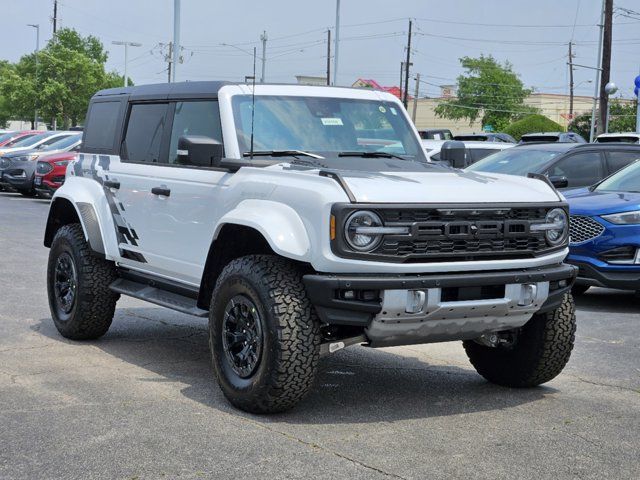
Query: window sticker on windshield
<point x="393" y="111"/>
<point x="382" y="109"/>
<point x="332" y="121"/>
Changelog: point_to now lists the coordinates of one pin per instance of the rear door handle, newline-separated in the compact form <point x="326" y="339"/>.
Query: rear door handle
<point x="112" y="184"/>
<point x="164" y="191"/>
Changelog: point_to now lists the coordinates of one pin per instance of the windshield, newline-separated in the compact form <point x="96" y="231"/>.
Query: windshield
<point x="7" y="136"/>
<point x="64" y="142"/>
<point x="625" y="180"/>
<point x="27" y="142"/>
<point x="514" y="161"/>
<point x="617" y="140"/>
<point x="324" y="126"/>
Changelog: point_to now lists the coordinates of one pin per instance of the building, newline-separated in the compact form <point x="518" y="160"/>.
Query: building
<point x="368" y="83"/>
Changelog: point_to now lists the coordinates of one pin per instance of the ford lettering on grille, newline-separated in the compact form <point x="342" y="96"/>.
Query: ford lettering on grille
<point x="466" y="230"/>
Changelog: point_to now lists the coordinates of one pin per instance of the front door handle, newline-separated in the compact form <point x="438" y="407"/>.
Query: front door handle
<point x="164" y="191"/>
<point x="112" y="184"/>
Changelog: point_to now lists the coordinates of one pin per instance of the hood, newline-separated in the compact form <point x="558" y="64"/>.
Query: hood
<point x="57" y="157"/>
<point x="446" y="186"/>
<point x="21" y="152"/>
<point x="583" y="202"/>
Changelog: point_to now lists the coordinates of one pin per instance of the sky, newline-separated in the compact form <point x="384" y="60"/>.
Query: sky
<point x="533" y="36"/>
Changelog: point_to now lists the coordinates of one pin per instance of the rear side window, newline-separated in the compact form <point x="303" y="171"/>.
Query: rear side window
<point x="101" y="125"/>
<point x="194" y="118"/>
<point x="475" y="154"/>
<point x="581" y="169"/>
<point x="620" y="159"/>
<point x="145" y="131"/>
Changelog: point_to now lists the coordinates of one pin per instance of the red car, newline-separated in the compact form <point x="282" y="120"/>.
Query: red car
<point x="7" y="139"/>
<point x="50" y="172"/>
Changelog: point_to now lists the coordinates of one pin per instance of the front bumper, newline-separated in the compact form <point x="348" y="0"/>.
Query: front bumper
<point x="625" y="278"/>
<point x="456" y="305"/>
<point x="14" y="181"/>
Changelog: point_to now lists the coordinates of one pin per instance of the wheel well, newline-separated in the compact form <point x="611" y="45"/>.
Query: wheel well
<point x="232" y="242"/>
<point x="62" y="213"/>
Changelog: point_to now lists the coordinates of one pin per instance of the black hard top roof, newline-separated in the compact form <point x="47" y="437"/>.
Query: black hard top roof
<point x="165" y="90"/>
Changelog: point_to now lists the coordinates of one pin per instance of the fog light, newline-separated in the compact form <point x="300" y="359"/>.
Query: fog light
<point x="527" y="294"/>
<point x="415" y="301"/>
<point x="348" y="294"/>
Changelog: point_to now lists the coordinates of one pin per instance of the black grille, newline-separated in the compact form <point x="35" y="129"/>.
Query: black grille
<point x="43" y="168"/>
<point x="443" y="233"/>
<point x="582" y="229"/>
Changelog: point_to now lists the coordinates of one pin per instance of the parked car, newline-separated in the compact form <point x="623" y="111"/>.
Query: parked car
<point x="605" y="232"/>
<point x="50" y="172"/>
<point x="9" y="139"/>
<point x="474" y="150"/>
<point x="17" y="169"/>
<point x="485" y="137"/>
<point x="630" y="137"/>
<point x="300" y="233"/>
<point x="435" y="134"/>
<point x="568" y="165"/>
<point x="558" y="137"/>
<point x="39" y="140"/>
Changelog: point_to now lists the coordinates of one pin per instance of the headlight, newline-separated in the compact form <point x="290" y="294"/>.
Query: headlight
<point x="26" y="158"/>
<point x="626" y="218"/>
<point x="358" y="233"/>
<point x="62" y="163"/>
<point x="555" y="228"/>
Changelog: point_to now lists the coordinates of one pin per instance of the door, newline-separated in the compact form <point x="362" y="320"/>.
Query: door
<point x="171" y="208"/>
<point x="581" y="169"/>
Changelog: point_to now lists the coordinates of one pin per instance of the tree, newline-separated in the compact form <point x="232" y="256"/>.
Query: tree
<point x="488" y="90"/>
<point x="532" y="124"/>
<point x="71" y="69"/>
<point x="622" y="118"/>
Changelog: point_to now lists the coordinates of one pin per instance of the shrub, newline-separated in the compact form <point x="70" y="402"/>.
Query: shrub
<point x="532" y="124"/>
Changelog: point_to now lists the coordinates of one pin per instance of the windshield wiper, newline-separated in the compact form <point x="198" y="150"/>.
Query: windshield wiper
<point x="370" y="155"/>
<point x="281" y="153"/>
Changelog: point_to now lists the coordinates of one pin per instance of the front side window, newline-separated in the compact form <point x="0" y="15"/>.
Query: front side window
<point x="325" y="126"/>
<point x="194" y="118"/>
<point x="145" y="130"/>
<point x="581" y="169"/>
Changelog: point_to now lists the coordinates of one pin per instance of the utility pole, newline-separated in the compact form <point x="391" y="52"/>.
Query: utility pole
<point x="336" y="48"/>
<point x="169" y="59"/>
<point x="606" y="63"/>
<point x="176" y="39"/>
<point x="35" y="114"/>
<point x="415" y="99"/>
<point x="264" y="38"/>
<point x="401" y="80"/>
<point x="407" y="65"/>
<point x="55" y="17"/>
<point x="570" y="82"/>
<point x="126" y="56"/>
<point x="598" y="69"/>
<point x="329" y="57"/>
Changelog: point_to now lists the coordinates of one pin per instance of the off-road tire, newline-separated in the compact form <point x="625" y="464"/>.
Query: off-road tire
<point x="288" y="362"/>
<point x="579" y="289"/>
<point x="541" y="351"/>
<point x="94" y="304"/>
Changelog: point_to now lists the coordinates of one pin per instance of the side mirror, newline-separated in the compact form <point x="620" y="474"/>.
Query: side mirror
<point x="455" y="153"/>
<point x="199" y="150"/>
<point x="559" y="181"/>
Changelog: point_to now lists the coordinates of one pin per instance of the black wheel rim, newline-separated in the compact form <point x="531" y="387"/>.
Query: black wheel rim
<point x="65" y="283"/>
<point x="242" y="335"/>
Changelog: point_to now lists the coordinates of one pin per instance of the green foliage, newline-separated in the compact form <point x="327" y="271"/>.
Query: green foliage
<point x="488" y="90"/>
<point x="70" y="70"/>
<point x="532" y="124"/>
<point x="622" y="119"/>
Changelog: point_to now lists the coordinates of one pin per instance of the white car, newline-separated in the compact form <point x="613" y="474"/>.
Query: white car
<point x="38" y="141"/>
<point x="301" y="220"/>
<point x="474" y="150"/>
<point x="628" y="137"/>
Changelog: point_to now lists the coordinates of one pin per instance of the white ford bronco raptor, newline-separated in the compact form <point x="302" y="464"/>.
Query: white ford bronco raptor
<point x="301" y="220"/>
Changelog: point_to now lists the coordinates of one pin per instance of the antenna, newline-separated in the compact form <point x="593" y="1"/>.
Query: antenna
<point x="253" y="101"/>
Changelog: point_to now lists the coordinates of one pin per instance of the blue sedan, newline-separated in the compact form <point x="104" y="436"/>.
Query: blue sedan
<point x="605" y="232"/>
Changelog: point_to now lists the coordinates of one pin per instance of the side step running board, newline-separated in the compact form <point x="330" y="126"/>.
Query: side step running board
<point x="160" y="297"/>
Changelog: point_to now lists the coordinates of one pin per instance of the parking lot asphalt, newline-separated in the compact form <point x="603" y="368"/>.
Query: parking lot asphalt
<point x="141" y="402"/>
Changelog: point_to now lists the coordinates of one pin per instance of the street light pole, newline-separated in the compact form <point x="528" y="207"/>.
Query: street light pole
<point x="37" y="27"/>
<point x="176" y="38"/>
<point x="337" y="44"/>
<point x="264" y="39"/>
<point x="126" y="56"/>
